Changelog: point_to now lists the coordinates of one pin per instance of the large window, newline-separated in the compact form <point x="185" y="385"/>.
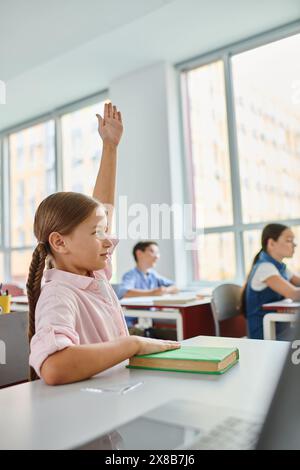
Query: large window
<point x="219" y="249"/>
<point x="32" y="178"/>
<point x="20" y="262"/>
<point x="242" y="137"/>
<point x="81" y="148"/>
<point x="268" y="131"/>
<point x="206" y="117"/>
<point x="36" y="163"/>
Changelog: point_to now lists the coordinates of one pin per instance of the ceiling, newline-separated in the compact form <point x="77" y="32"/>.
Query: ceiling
<point x="35" y="31"/>
<point x="52" y="53"/>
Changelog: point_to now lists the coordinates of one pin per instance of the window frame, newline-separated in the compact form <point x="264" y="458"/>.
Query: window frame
<point x="56" y="115"/>
<point x="238" y="228"/>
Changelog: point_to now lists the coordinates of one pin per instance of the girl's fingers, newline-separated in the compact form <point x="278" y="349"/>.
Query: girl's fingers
<point x="174" y="345"/>
<point x="100" y="120"/>
<point x="105" y="110"/>
<point x="110" y="111"/>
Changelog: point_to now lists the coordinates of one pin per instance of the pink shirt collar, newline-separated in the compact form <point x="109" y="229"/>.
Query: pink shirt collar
<point x="82" y="282"/>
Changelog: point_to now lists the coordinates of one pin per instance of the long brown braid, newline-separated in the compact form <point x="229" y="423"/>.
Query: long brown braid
<point x="33" y="287"/>
<point x="60" y="212"/>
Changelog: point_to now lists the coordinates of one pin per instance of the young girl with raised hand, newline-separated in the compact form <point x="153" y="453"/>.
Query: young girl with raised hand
<point x="76" y="324"/>
<point x="269" y="279"/>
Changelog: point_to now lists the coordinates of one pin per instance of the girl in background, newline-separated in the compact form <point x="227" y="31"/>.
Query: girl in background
<point x="269" y="279"/>
<point x="76" y="324"/>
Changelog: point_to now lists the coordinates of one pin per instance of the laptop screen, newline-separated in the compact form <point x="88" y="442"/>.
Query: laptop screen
<point x="281" y="428"/>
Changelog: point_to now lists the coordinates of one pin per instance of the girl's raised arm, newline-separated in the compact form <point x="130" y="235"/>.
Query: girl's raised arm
<point x="110" y="128"/>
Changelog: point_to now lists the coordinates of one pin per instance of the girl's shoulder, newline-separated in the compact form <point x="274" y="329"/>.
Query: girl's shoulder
<point x="59" y="290"/>
<point x="263" y="271"/>
<point x="57" y="300"/>
<point x="266" y="267"/>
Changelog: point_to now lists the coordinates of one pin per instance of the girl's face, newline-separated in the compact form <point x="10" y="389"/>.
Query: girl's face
<point x="87" y="248"/>
<point x="284" y="246"/>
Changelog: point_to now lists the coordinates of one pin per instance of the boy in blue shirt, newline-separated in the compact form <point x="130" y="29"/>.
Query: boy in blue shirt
<point x="143" y="280"/>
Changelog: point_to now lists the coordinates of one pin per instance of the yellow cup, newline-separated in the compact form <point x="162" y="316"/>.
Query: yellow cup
<point x="5" y="301"/>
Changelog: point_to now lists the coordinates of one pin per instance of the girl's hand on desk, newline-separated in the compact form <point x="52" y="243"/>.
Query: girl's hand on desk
<point x="110" y="127"/>
<point x="149" y="345"/>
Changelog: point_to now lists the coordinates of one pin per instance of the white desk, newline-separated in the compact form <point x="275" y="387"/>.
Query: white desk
<point x="37" y="416"/>
<point x="286" y="311"/>
<point x="20" y="299"/>
<point x="285" y="305"/>
<point x="158" y="315"/>
<point x="19" y="304"/>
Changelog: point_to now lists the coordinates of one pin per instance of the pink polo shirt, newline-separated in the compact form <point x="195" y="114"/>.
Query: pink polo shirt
<point x="74" y="309"/>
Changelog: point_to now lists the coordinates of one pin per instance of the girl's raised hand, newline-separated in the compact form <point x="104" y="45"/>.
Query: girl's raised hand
<point x="150" y="345"/>
<point x="110" y="127"/>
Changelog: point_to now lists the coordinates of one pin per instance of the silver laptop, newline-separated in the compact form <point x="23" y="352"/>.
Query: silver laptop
<point x="181" y="424"/>
<point x="281" y="429"/>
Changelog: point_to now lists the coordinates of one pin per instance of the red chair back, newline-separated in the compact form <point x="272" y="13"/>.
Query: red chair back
<point x="13" y="289"/>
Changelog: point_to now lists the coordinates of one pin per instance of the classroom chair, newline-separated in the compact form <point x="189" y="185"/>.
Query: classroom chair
<point x="14" y="335"/>
<point x="115" y="288"/>
<point x="225" y="305"/>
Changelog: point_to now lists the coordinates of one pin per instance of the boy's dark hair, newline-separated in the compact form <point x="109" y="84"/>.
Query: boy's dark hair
<point x="142" y="246"/>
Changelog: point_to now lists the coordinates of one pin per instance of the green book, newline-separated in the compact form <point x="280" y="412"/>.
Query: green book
<point x="195" y="359"/>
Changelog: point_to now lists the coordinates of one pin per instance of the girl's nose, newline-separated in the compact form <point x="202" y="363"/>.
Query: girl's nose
<point x="108" y="242"/>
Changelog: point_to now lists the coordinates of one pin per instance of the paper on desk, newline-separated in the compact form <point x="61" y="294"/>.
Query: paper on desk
<point x="119" y="389"/>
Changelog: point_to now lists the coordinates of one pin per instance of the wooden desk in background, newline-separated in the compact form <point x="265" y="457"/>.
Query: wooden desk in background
<point x="196" y="316"/>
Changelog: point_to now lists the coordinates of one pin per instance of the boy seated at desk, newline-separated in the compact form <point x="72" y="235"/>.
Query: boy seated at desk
<point x="143" y="280"/>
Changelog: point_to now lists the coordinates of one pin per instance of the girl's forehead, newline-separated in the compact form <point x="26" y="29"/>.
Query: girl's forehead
<point x="97" y="217"/>
<point x="100" y="213"/>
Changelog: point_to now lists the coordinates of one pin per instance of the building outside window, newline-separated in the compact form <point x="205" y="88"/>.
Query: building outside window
<point x="239" y="189"/>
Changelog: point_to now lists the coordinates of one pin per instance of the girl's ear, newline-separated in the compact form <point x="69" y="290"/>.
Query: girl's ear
<point x="57" y="243"/>
<point x="270" y="243"/>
